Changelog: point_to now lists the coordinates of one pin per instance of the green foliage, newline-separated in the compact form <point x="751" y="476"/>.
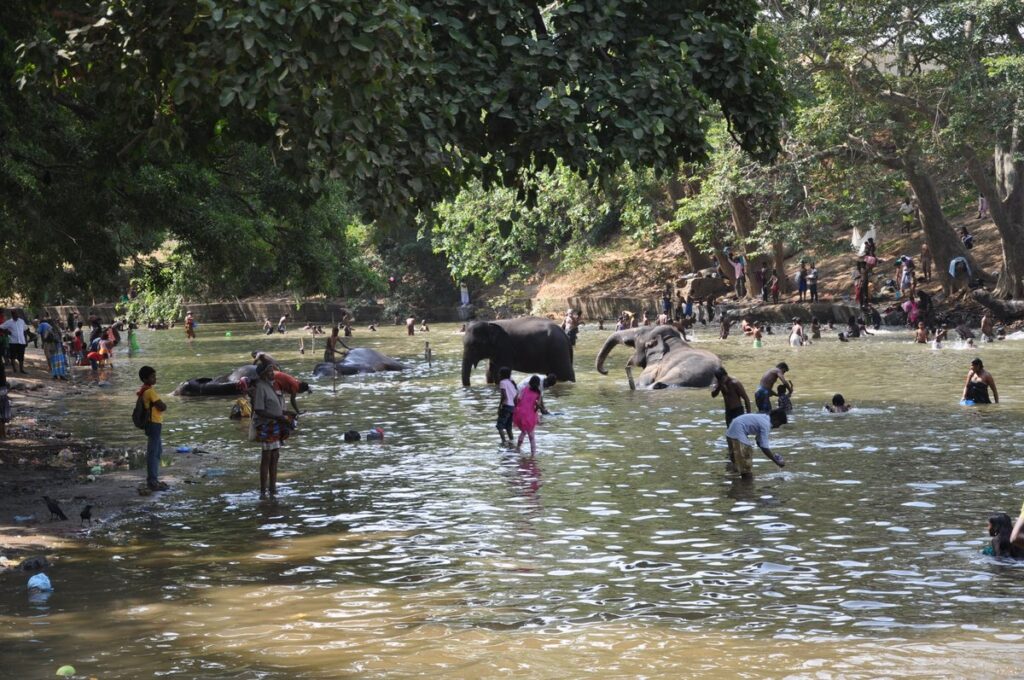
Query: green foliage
<point x="403" y="101"/>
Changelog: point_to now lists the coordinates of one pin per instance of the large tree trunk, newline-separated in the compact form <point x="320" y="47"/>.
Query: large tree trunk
<point x="685" y="230"/>
<point x="1005" y="195"/>
<point x="779" y="262"/>
<point x="743" y="222"/>
<point x="943" y="241"/>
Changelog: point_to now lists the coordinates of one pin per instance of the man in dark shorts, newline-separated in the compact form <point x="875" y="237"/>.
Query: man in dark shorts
<point x="766" y="389"/>
<point x="735" y="396"/>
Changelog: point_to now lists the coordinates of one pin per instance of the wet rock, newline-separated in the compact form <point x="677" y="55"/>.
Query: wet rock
<point x="34" y="563"/>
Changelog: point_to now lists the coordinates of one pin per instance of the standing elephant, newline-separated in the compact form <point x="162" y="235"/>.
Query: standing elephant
<point x="528" y="344"/>
<point x="667" y="359"/>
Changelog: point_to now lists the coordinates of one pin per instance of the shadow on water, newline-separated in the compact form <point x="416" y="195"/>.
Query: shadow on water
<point x="623" y="547"/>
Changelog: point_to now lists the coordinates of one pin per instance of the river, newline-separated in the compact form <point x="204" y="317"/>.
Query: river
<point x="623" y="550"/>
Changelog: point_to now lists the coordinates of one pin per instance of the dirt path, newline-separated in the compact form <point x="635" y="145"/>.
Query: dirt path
<point x="39" y="457"/>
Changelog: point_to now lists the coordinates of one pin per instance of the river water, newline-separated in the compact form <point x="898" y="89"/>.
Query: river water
<point x="623" y="550"/>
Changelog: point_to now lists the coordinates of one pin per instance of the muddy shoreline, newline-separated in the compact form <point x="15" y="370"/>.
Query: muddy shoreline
<point x="41" y="456"/>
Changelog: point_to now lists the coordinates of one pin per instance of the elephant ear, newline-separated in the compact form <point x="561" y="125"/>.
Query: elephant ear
<point x="496" y="333"/>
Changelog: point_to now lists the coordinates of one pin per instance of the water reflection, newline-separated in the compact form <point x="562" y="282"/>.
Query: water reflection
<point x="622" y="548"/>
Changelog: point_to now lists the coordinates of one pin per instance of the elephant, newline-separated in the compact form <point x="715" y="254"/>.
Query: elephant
<point x="358" y="360"/>
<point x="667" y="360"/>
<point x="527" y="344"/>
<point x="222" y="386"/>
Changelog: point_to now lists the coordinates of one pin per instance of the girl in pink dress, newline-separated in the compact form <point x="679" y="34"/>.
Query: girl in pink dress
<point x="525" y="414"/>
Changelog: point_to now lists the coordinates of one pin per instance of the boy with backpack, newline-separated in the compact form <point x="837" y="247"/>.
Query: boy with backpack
<point x="149" y="416"/>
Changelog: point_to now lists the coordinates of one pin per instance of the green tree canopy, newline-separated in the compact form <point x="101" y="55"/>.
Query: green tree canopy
<point x="404" y="101"/>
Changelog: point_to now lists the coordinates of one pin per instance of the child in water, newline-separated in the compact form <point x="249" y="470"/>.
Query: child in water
<point x="785" y="396"/>
<point x="525" y="415"/>
<point x="757" y="337"/>
<point x="999" y="527"/>
<point x="506" y="405"/>
<point x="838" y="405"/>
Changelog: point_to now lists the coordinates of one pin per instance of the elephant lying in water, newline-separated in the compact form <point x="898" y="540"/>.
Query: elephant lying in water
<point x="667" y="359"/>
<point x="358" y="360"/>
<point x="221" y="386"/>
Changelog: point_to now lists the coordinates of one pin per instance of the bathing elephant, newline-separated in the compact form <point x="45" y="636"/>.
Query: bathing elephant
<point x="667" y="359"/>
<point x="221" y="386"/>
<point x="528" y="344"/>
<point x="358" y="360"/>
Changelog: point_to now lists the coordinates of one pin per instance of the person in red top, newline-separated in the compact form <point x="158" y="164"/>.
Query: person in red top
<point x="286" y="384"/>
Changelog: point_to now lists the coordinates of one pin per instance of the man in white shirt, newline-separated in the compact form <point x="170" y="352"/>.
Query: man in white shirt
<point x="16" y="327"/>
<point x="741" y="449"/>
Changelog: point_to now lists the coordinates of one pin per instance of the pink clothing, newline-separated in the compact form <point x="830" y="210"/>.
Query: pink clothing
<point x="525" y="414"/>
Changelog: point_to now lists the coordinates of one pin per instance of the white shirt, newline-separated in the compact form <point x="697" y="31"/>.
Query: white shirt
<point x="17" y="330"/>
<point x="743" y="426"/>
<point x="508" y="390"/>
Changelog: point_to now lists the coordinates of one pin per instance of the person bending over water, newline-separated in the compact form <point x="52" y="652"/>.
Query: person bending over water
<point x="838" y="405"/>
<point x="733" y="393"/>
<point x="977" y="384"/>
<point x="741" y="450"/>
<point x="765" y="390"/>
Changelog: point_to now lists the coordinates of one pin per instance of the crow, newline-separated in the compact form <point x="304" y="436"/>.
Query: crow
<point x="86" y="515"/>
<point x="55" y="510"/>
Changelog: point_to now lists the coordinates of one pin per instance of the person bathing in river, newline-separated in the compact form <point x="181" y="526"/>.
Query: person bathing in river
<point x="506" y="405"/>
<point x="838" y="405"/>
<point x="758" y="336"/>
<point x="747" y="327"/>
<point x="796" y="334"/>
<point x="272" y="427"/>
<point x="733" y="394"/>
<point x="815" y="328"/>
<point x="765" y="390"/>
<point x="1001" y="528"/>
<point x="988" y="332"/>
<point x="288" y="385"/>
<point x="921" y="334"/>
<point x="785" y="393"/>
<point x="525" y="414"/>
<point x="978" y="382"/>
<point x="741" y="450"/>
<point x="725" y="325"/>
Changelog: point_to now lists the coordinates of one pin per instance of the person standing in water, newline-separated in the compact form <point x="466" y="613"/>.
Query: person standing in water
<point x="272" y="426"/>
<point x="765" y="390"/>
<point x="741" y="450"/>
<point x="525" y="414"/>
<point x="733" y="393"/>
<point x="155" y="408"/>
<point x="506" y="405"/>
<point x="977" y="384"/>
<point x="190" y="326"/>
<point x="796" y="335"/>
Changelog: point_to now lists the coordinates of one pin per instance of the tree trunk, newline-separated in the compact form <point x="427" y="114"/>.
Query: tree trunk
<point x="779" y="262"/>
<point x="1005" y="196"/>
<point x="942" y="240"/>
<point x="743" y="222"/>
<point x="685" y="230"/>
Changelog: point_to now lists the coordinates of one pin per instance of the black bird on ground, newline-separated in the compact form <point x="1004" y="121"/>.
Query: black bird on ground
<point x="55" y="510"/>
<point x="86" y="515"/>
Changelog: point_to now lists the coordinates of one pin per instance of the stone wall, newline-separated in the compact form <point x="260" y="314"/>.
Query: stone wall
<point x="593" y="308"/>
<point x="254" y="311"/>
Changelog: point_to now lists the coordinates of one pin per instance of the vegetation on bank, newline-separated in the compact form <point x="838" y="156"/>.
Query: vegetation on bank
<point x="476" y="141"/>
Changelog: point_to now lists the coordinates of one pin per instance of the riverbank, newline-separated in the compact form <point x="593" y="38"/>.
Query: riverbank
<point x="40" y="457"/>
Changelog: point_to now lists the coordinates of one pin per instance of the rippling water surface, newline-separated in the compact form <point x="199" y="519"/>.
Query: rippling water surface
<point x="622" y="550"/>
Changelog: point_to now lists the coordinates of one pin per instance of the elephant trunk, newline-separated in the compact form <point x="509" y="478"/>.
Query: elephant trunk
<point x="619" y="338"/>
